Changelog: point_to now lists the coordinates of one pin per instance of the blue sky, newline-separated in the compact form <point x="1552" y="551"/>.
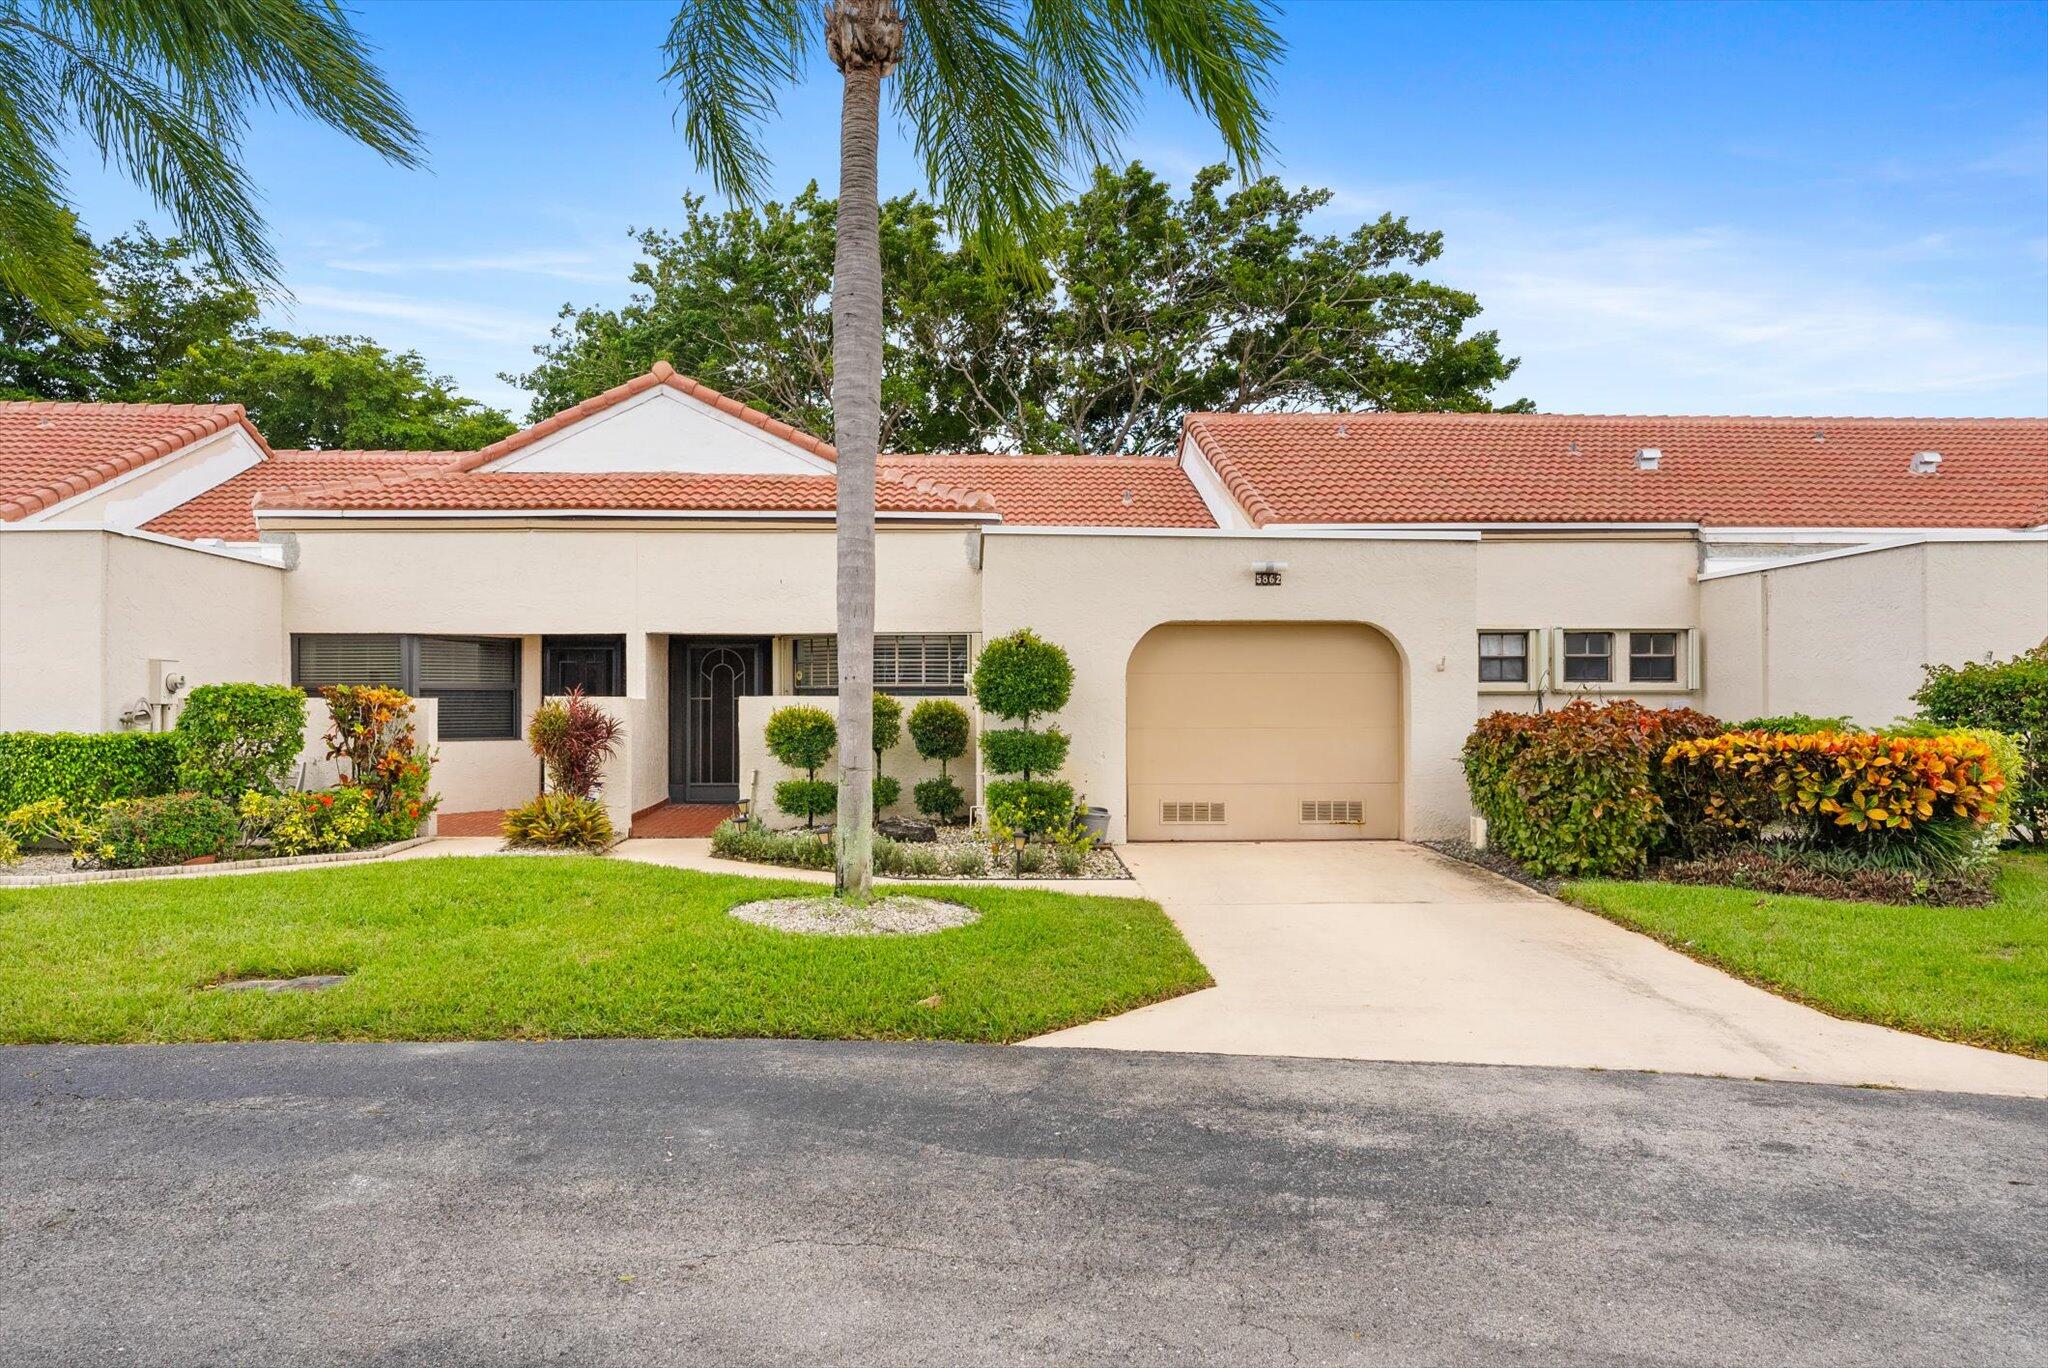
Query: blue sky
<point x="1663" y="208"/>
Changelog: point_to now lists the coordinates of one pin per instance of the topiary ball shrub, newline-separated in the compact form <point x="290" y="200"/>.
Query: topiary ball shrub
<point x="138" y="832"/>
<point x="1033" y="807"/>
<point x="1020" y="676"/>
<point x="1016" y="751"/>
<point x="234" y="738"/>
<point x="938" y="729"/>
<point x="802" y="737"/>
<point x="809" y="799"/>
<point x="887" y="789"/>
<point x="939" y="798"/>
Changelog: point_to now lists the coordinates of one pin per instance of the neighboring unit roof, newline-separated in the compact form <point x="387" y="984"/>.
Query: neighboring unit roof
<point x="1066" y="491"/>
<point x="50" y="452"/>
<point x="532" y="492"/>
<point x="662" y="373"/>
<point x="227" y="511"/>
<point x="1536" y="468"/>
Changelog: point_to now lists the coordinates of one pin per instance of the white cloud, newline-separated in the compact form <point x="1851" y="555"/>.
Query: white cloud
<point x="314" y="305"/>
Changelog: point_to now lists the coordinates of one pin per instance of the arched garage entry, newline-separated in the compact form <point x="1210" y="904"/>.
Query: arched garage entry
<point x="1264" y="731"/>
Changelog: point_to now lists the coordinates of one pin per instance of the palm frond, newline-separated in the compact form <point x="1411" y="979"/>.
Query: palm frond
<point x="1219" y="54"/>
<point x="164" y="89"/>
<point x="969" y="90"/>
<point x="727" y="59"/>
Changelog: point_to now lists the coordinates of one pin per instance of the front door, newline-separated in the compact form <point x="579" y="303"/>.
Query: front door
<point x="706" y="680"/>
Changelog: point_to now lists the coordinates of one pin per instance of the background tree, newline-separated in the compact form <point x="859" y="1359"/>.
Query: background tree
<point x="168" y="325"/>
<point x="153" y="299"/>
<point x="163" y="90"/>
<point x="1148" y="305"/>
<point x="330" y="392"/>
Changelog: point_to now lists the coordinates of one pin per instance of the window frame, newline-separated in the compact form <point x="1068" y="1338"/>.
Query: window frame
<point x="1532" y="668"/>
<point x="613" y="644"/>
<point x="1676" y="656"/>
<point x="895" y="689"/>
<point x="1565" y="656"/>
<point x="409" y="672"/>
<point x="1686" y="668"/>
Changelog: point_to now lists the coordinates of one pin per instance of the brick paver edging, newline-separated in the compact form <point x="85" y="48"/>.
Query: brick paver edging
<point x="86" y="876"/>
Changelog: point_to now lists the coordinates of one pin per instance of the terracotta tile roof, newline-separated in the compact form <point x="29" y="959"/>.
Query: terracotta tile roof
<point x="52" y="451"/>
<point x="226" y="510"/>
<point x="662" y="373"/>
<point x="1066" y="491"/>
<point x="521" y="491"/>
<point x="1727" y="472"/>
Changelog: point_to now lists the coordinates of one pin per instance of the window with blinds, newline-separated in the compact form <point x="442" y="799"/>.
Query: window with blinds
<point x="474" y="680"/>
<point x="911" y="663"/>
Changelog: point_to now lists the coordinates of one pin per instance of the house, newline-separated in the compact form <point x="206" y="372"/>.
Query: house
<point x="1283" y="630"/>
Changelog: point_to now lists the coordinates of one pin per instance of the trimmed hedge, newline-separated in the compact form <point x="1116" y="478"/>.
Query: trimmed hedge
<point x="237" y="737"/>
<point x="166" y="830"/>
<point x="1576" y="791"/>
<point x="86" y="769"/>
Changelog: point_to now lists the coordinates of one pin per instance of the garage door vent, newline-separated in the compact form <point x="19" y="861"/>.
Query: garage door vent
<point x="1332" y="811"/>
<point x="1182" y="814"/>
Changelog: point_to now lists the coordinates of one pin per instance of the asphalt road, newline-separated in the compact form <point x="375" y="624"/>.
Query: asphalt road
<point x="759" y="1202"/>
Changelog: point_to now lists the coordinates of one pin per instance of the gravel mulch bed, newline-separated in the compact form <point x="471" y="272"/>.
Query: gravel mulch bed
<point x="1102" y="861"/>
<point x="1496" y="863"/>
<point x="891" y="916"/>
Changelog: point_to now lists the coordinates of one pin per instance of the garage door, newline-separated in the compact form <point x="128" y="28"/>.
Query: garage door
<point x="1264" y="731"/>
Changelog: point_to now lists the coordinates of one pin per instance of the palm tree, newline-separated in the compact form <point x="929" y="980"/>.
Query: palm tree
<point x="1004" y="99"/>
<point x="163" y="88"/>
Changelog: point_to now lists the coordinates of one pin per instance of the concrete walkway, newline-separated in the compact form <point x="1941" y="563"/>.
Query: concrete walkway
<point x="1377" y="950"/>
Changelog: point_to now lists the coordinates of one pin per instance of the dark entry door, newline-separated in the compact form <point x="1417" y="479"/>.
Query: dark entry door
<point x="706" y="680"/>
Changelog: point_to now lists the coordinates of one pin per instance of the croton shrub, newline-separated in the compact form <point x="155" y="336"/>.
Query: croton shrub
<point x="2010" y="696"/>
<point x="1577" y="791"/>
<point x="1861" y="790"/>
<point x="370" y="735"/>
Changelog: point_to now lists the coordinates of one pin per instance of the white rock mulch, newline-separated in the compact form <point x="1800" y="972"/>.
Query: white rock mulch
<point x="891" y="916"/>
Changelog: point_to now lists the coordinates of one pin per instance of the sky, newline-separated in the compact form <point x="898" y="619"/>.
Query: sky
<point x="1742" y="208"/>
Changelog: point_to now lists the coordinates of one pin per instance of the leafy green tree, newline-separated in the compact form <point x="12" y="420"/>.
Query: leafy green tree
<point x="163" y="90"/>
<point x="1149" y="305"/>
<point x="1002" y="100"/>
<point x="155" y="299"/>
<point x="330" y="392"/>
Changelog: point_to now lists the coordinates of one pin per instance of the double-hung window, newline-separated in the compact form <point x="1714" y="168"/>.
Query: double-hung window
<point x="1503" y="657"/>
<point x="475" y="680"/>
<point x="905" y="663"/>
<point x="1588" y="657"/>
<point x="1653" y="657"/>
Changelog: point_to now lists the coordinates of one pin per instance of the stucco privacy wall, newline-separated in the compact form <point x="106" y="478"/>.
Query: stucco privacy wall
<point x="1098" y="594"/>
<point x="1851" y="634"/>
<point x="760" y="771"/>
<point x="647" y="583"/>
<point x="83" y="612"/>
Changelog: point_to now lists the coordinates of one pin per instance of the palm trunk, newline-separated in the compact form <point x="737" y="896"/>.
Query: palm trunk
<point x="857" y="429"/>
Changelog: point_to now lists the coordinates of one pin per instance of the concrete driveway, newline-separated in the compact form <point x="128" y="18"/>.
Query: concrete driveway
<point x="1378" y="950"/>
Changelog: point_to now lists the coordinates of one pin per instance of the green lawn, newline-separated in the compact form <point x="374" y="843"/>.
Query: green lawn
<point x="529" y="948"/>
<point x="1977" y="974"/>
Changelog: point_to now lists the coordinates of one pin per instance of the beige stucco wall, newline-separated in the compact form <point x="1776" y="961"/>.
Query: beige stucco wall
<point x="1098" y="595"/>
<point x="760" y="772"/>
<point x="82" y="613"/>
<point x="1850" y="635"/>
<point x="1618" y="581"/>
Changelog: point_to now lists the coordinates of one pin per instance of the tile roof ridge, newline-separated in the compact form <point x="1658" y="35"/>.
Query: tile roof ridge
<point x="207" y="420"/>
<point x="661" y="373"/>
<point x="970" y="499"/>
<point x="1036" y="457"/>
<point x="276" y="498"/>
<point x="1235" y="481"/>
